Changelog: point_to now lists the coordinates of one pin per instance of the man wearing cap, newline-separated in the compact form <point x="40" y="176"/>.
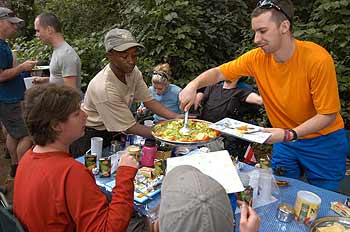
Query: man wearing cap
<point x="65" y="65"/>
<point x="193" y="201"/>
<point x="112" y="91"/>
<point x="297" y="81"/>
<point x="12" y="90"/>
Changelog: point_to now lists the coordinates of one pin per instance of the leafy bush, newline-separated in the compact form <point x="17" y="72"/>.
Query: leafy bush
<point x="90" y="50"/>
<point x="32" y="50"/>
<point x="329" y="26"/>
<point x="191" y="35"/>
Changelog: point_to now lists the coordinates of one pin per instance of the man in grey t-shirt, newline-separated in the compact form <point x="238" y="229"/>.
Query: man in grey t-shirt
<point x="65" y="63"/>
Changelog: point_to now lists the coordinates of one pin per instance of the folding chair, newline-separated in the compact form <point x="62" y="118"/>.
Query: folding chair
<point x="8" y="221"/>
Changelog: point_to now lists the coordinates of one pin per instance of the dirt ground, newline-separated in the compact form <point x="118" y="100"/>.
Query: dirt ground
<point x="5" y="170"/>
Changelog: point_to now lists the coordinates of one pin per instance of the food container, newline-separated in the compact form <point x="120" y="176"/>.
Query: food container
<point x="326" y="223"/>
<point x="134" y="151"/>
<point x="105" y="167"/>
<point x="40" y="71"/>
<point x="201" y="133"/>
<point x="90" y="161"/>
<point x="159" y="166"/>
<point x="285" y="212"/>
<point x="149" y="151"/>
<point x="264" y="164"/>
<point x="306" y="206"/>
<point x="246" y="195"/>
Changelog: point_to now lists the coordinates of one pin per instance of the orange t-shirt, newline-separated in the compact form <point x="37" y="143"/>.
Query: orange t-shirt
<point x="295" y="91"/>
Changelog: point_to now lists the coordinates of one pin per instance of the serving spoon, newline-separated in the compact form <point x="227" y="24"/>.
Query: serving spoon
<point x="185" y="130"/>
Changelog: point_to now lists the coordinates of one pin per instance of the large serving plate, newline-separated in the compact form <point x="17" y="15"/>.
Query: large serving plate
<point x="40" y="67"/>
<point x="241" y="130"/>
<point x="329" y="221"/>
<point x="165" y="124"/>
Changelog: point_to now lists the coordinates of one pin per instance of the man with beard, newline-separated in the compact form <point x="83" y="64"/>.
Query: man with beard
<point x="298" y="84"/>
<point x="112" y="91"/>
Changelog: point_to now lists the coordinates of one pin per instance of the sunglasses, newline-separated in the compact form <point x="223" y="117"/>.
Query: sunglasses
<point x="161" y="74"/>
<point x="268" y="4"/>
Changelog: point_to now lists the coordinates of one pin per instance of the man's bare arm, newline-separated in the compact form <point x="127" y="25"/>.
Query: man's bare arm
<point x="314" y="124"/>
<point x="188" y="94"/>
<point x="157" y="108"/>
<point x="254" y="98"/>
<point x="8" y="74"/>
<point x="141" y="130"/>
<point x="71" y="81"/>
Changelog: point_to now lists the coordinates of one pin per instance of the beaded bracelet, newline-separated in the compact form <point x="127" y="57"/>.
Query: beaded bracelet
<point x="287" y="136"/>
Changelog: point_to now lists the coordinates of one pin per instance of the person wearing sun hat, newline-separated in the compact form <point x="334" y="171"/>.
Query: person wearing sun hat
<point x="12" y="89"/>
<point x="193" y="201"/>
<point x="112" y="91"/>
<point x="298" y="84"/>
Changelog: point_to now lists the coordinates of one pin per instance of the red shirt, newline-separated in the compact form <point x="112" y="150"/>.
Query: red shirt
<point x="53" y="192"/>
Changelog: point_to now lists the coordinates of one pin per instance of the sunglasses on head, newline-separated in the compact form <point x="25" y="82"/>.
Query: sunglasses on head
<point x="162" y="74"/>
<point x="269" y="4"/>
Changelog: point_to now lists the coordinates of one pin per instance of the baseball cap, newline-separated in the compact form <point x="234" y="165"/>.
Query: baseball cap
<point x="193" y="201"/>
<point x="8" y="15"/>
<point x="120" y="40"/>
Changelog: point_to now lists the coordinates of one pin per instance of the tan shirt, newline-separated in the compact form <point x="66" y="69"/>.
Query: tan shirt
<point x="107" y="100"/>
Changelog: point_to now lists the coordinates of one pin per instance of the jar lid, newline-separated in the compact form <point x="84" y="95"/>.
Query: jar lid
<point x="286" y="208"/>
<point x="150" y="143"/>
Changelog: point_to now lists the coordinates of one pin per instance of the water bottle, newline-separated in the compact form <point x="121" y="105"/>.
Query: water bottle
<point x="149" y="151"/>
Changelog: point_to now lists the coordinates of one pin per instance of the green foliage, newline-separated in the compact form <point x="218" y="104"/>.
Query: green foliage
<point x="329" y="26"/>
<point x="32" y="50"/>
<point x="90" y="50"/>
<point x="92" y="54"/>
<point x="83" y="17"/>
<point x="26" y="10"/>
<point x="191" y="35"/>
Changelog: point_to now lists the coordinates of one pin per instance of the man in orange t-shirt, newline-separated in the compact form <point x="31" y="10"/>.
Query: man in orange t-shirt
<point x="298" y="84"/>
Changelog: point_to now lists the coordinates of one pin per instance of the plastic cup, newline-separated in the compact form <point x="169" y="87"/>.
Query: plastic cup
<point x="265" y="180"/>
<point x="96" y="147"/>
<point x="28" y="81"/>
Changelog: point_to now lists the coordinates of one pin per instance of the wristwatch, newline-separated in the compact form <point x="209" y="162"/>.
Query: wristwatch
<point x="295" y="135"/>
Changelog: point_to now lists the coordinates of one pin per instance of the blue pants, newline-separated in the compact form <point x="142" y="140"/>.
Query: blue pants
<point x="322" y="159"/>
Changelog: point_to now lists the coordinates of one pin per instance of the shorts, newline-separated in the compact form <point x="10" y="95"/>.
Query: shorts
<point x="12" y="119"/>
<point x="321" y="159"/>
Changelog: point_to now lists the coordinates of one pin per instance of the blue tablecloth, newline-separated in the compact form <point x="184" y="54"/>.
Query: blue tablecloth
<point x="269" y="221"/>
<point x="267" y="213"/>
<point x="143" y="209"/>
